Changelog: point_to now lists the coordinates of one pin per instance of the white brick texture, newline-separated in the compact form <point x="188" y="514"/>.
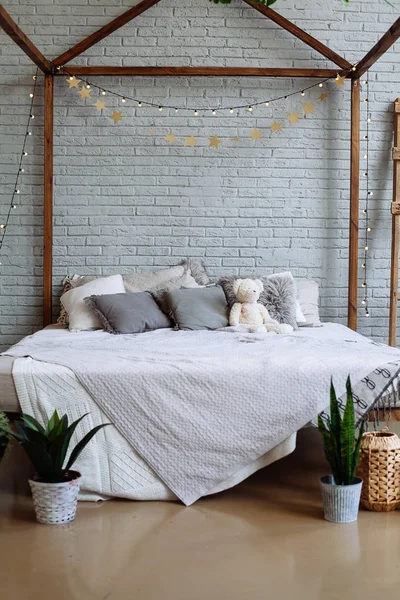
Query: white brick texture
<point x="127" y="200"/>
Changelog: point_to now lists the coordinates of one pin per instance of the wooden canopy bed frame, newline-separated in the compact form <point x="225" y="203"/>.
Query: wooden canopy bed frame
<point x="55" y="68"/>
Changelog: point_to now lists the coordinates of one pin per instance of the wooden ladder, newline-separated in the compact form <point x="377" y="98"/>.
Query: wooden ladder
<point x="394" y="266"/>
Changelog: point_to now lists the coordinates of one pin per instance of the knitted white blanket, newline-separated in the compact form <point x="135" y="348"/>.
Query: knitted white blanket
<point x="109" y="464"/>
<point x="198" y="406"/>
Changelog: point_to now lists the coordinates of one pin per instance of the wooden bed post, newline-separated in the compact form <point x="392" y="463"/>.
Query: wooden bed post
<point x="48" y="200"/>
<point x="354" y="204"/>
<point x="394" y="260"/>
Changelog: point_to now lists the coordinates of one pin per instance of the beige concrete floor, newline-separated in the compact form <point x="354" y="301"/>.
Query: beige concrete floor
<point x="265" y="539"/>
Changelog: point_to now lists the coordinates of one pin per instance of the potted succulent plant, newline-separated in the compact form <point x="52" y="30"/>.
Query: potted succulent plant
<point x="341" y="491"/>
<point x="54" y="486"/>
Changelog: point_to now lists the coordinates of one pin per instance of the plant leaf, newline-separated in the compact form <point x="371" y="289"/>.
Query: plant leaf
<point x="357" y="449"/>
<point x="52" y="423"/>
<point x="347" y="437"/>
<point x="63" y="447"/>
<point x="81" y="445"/>
<point x="32" y="423"/>
<point x="330" y="449"/>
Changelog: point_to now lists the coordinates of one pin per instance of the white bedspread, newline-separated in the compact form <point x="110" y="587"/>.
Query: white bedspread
<point x="199" y="406"/>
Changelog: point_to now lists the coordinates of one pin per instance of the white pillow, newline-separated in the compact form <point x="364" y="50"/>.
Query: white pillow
<point x="300" y="318"/>
<point x="307" y="296"/>
<point x="81" y="316"/>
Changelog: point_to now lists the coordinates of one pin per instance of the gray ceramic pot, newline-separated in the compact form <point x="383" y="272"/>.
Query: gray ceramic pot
<point x="340" y="502"/>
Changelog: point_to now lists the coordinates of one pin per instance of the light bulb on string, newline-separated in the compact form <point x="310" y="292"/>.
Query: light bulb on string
<point x="370" y="193"/>
<point x="231" y="111"/>
<point x="320" y="85"/>
<point x="267" y="104"/>
<point x="196" y="113"/>
<point x="365" y="137"/>
<point x="123" y="100"/>
<point x="365" y="155"/>
<point x="364" y="285"/>
<point x="214" y="112"/>
<point x="30" y="95"/>
<point x="24" y="153"/>
<point x="250" y="109"/>
<point x="140" y="105"/>
<point x="369" y="229"/>
<point x="34" y="78"/>
<point x="160" y="108"/>
<point x="32" y="116"/>
<point x="302" y="93"/>
<point x="103" y="93"/>
<point x="366" y="248"/>
<point x="88" y="86"/>
<point x="364" y="265"/>
<point x="17" y="191"/>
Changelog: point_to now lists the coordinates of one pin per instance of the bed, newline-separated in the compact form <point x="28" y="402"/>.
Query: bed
<point x="114" y="465"/>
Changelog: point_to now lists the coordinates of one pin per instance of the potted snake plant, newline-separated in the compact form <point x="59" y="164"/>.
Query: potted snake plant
<point x="341" y="490"/>
<point x="54" y="485"/>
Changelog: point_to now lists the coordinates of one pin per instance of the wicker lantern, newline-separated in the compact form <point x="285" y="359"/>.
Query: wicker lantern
<point x="379" y="467"/>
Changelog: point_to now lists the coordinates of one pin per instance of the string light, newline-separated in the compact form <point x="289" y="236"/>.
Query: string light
<point x="368" y="229"/>
<point x="214" y="112"/>
<point x="196" y="113"/>
<point x="232" y="109"/>
<point x="123" y="100"/>
<point x="17" y="189"/>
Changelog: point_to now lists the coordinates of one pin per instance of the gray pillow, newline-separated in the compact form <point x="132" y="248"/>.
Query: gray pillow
<point x="198" y="308"/>
<point x="128" y="313"/>
<point x="278" y="297"/>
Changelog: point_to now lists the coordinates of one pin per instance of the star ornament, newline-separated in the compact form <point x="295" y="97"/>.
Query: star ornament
<point x="339" y="81"/>
<point x="294" y="118"/>
<point x="116" y="116"/>
<point x="255" y="134"/>
<point x="170" y="138"/>
<point x="308" y="108"/>
<point x="191" y="141"/>
<point x="323" y="96"/>
<point x="275" y="127"/>
<point x="84" y="93"/>
<point x="73" y="82"/>
<point x="100" y="105"/>
<point x="214" y="142"/>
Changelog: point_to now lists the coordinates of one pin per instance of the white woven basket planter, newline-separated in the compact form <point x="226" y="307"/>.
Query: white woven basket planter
<point x="55" y="503"/>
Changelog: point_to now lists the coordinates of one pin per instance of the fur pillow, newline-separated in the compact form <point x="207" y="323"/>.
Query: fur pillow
<point x="278" y="296"/>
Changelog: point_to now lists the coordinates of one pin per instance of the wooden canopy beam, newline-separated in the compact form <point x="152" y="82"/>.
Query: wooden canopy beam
<point x="18" y="36"/>
<point x="300" y="34"/>
<point x="197" y="71"/>
<point x="105" y="31"/>
<point x="378" y="50"/>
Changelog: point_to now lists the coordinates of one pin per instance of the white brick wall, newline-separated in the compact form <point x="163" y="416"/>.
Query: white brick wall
<point x="126" y="200"/>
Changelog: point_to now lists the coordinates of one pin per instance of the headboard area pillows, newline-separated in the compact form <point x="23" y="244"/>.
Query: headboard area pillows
<point x="81" y="316"/>
<point x="190" y="273"/>
<point x="201" y="308"/>
<point x="128" y="313"/>
<point x="278" y="296"/>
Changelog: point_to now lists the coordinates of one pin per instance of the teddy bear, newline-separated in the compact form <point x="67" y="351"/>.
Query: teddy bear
<point x="250" y="313"/>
